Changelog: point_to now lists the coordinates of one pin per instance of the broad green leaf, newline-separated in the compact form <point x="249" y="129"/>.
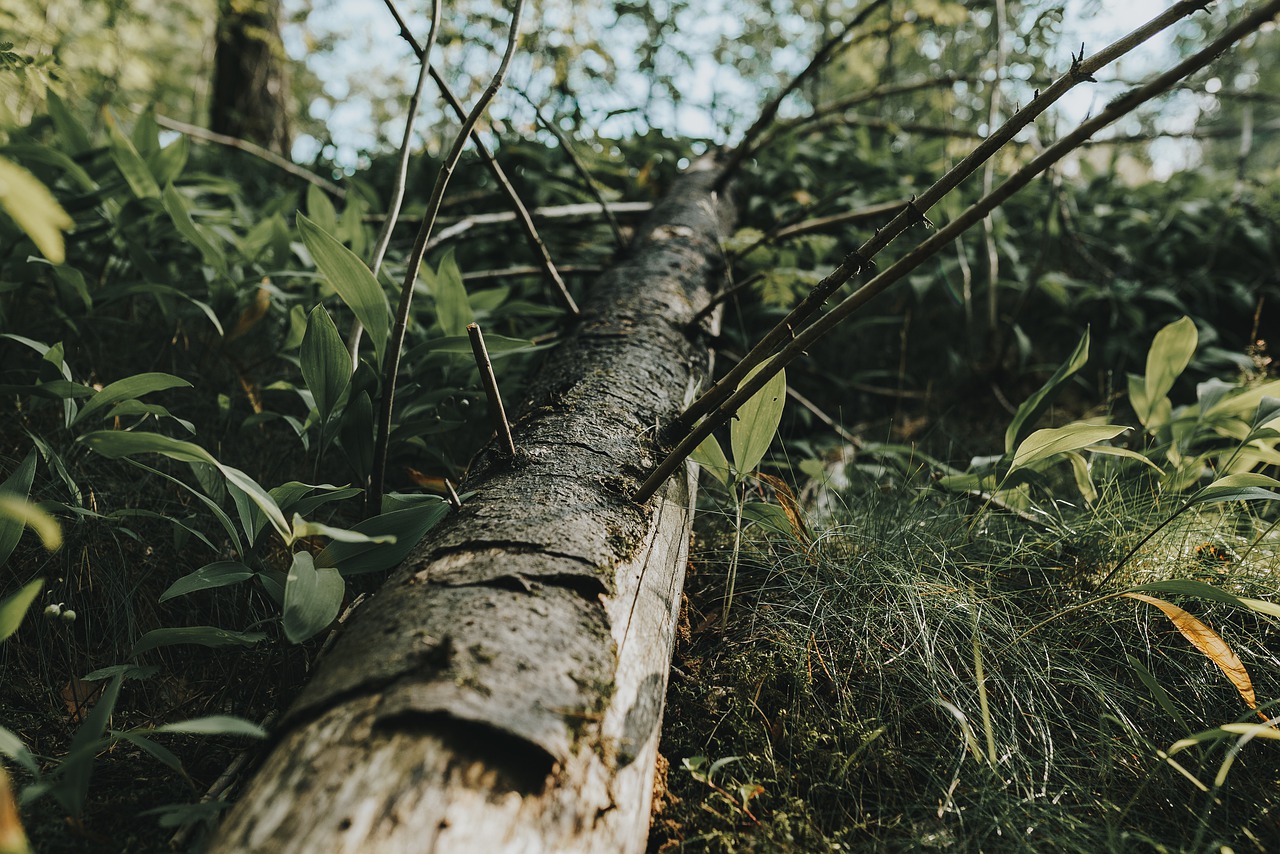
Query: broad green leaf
<point x="1238" y="487"/>
<point x="215" y="725"/>
<point x="312" y="597"/>
<point x="34" y="209"/>
<point x="321" y="210"/>
<point x="1231" y="730"/>
<point x="128" y="389"/>
<point x="12" y="746"/>
<point x="1045" y="443"/>
<point x="14" y="608"/>
<point x="711" y="457"/>
<point x="771" y="517"/>
<point x="171" y="160"/>
<point x="210" y="636"/>
<point x="46" y="527"/>
<point x="157" y="751"/>
<point x="73" y="135"/>
<point x="219" y="574"/>
<point x="52" y="157"/>
<point x="1271" y="609"/>
<point x="115" y="444"/>
<point x="352" y="280"/>
<point x="1108" y="450"/>
<point x="77" y="767"/>
<point x="1033" y="407"/>
<point x="356" y="433"/>
<point x="303" y="528"/>
<point x="1187" y="587"/>
<point x="1170" y="353"/>
<point x="326" y="366"/>
<point x="16" y="486"/>
<point x="445" y="284"/>
<point x="130" y="162"/>
<point x="407" y="526"/>
<point x="179" y="212"/>
<point x="751" y="432"/>
<point x="1084" y="482"/>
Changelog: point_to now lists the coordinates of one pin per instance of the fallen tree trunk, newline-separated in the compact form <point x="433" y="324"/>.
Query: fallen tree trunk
<point x="504" y="691"/>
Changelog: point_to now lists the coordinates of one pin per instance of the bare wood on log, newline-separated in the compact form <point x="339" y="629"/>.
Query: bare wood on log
<point x="504" y="691"/>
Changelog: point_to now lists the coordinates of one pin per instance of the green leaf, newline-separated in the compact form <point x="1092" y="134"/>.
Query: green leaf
<point x="34" y="209"/>
<point x="212" y="575"/>
<point x="73" y="135"/>
<point x="1187" y="587"/>
<point x="179" y="212"/>
<point x="303" y="528"/>
<point x="1238" y="487"/>
<point x="1170" y="353"/>
<point x="352" y="280"/>
<point x="14" y="608"/>
<point x="171" y="160"/>
<point x="1084" y="482"/>
<point x="130" y="162"/>
<point x="312" y="597"/>
<point x="114" y="444"/>
<point x="129" y="388"/>
<point x="215" y="725"/>
<point x="210" y="636"/>
<point x="17" y="485"/>
<point x="326" y="366"/>
<point x="408" y="526"/>
<point x="20" y="510"/>
<point x="1045" y="443"/>
<point x="453" y="310"/>
<point x="711" y="457"/>
<point x="321" y="210"/>
<point x="1033" y="407"/>
<point x="12" y="746"/>
<point x="752" y="431"/>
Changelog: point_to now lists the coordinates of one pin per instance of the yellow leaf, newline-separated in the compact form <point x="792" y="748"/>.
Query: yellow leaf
<point x="12" y="838"/>
<point x="249" y="318"/>
<point x="1209" y="643"/>
<point x="34" y="209"/>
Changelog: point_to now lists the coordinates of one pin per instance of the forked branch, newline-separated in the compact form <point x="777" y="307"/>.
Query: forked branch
<point x="940" y="239"/>
<point x="859" y="260"/>
<point x="396" y="342"/>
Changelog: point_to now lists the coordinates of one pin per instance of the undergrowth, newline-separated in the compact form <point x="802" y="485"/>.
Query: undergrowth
<point x="840" y="708"/>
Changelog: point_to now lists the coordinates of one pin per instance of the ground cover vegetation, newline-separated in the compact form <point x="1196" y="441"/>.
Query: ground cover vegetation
<point x="999" y="576"/>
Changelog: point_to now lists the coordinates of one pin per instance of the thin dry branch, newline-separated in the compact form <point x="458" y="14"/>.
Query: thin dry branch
<point x="824" y="55"/>
<point x="822" y="223"/>
<point x="1081" y="70"/>
<point x="396" y="342"/>
<point x="843" y="105"/>
<point x="206" y="135"/>
<point x="940" y="239"/>
<point x="402" y="171"/>
<point x="580" y="168"/>
<point x="520" y="211"/>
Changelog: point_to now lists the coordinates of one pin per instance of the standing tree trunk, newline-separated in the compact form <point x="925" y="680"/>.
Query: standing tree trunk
<point x="504" y="691"/>
<point x="250" y="84"/>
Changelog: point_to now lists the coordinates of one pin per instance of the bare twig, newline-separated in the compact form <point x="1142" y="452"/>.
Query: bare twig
<point x="527" y="270"/>
<point x="402" y="169"/>
<point x="974" y="214"/>
<point x="843" y="105"/>
<point x="580" y="168"/>
<point x="197" y="132"/>
<point x="765" y="119"/>
<point x="396" y="342"/>
<point x="822" y="223"/>
<point x="520" y="212"/>
<point x="1081" y="70"/>
<point x="491" y="387"/>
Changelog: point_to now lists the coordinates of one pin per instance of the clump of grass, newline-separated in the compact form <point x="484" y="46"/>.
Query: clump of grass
<point x="848" y="687"/>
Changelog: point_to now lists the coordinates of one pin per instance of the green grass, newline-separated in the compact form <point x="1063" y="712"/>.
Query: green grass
<point x="846" y="684"/>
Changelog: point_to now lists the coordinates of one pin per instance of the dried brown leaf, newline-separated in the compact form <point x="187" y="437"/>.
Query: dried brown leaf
<point x="1209" y="642"/>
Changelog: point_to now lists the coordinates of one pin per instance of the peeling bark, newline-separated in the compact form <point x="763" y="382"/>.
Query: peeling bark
<point x="504" y="691"/>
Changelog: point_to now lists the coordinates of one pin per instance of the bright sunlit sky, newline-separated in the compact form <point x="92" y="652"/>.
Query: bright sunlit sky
<point x="369" y="49"/>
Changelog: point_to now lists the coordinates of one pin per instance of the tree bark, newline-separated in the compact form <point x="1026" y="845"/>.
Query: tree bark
<point x="250" y="84"/>
<point x="504" y="691"/>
